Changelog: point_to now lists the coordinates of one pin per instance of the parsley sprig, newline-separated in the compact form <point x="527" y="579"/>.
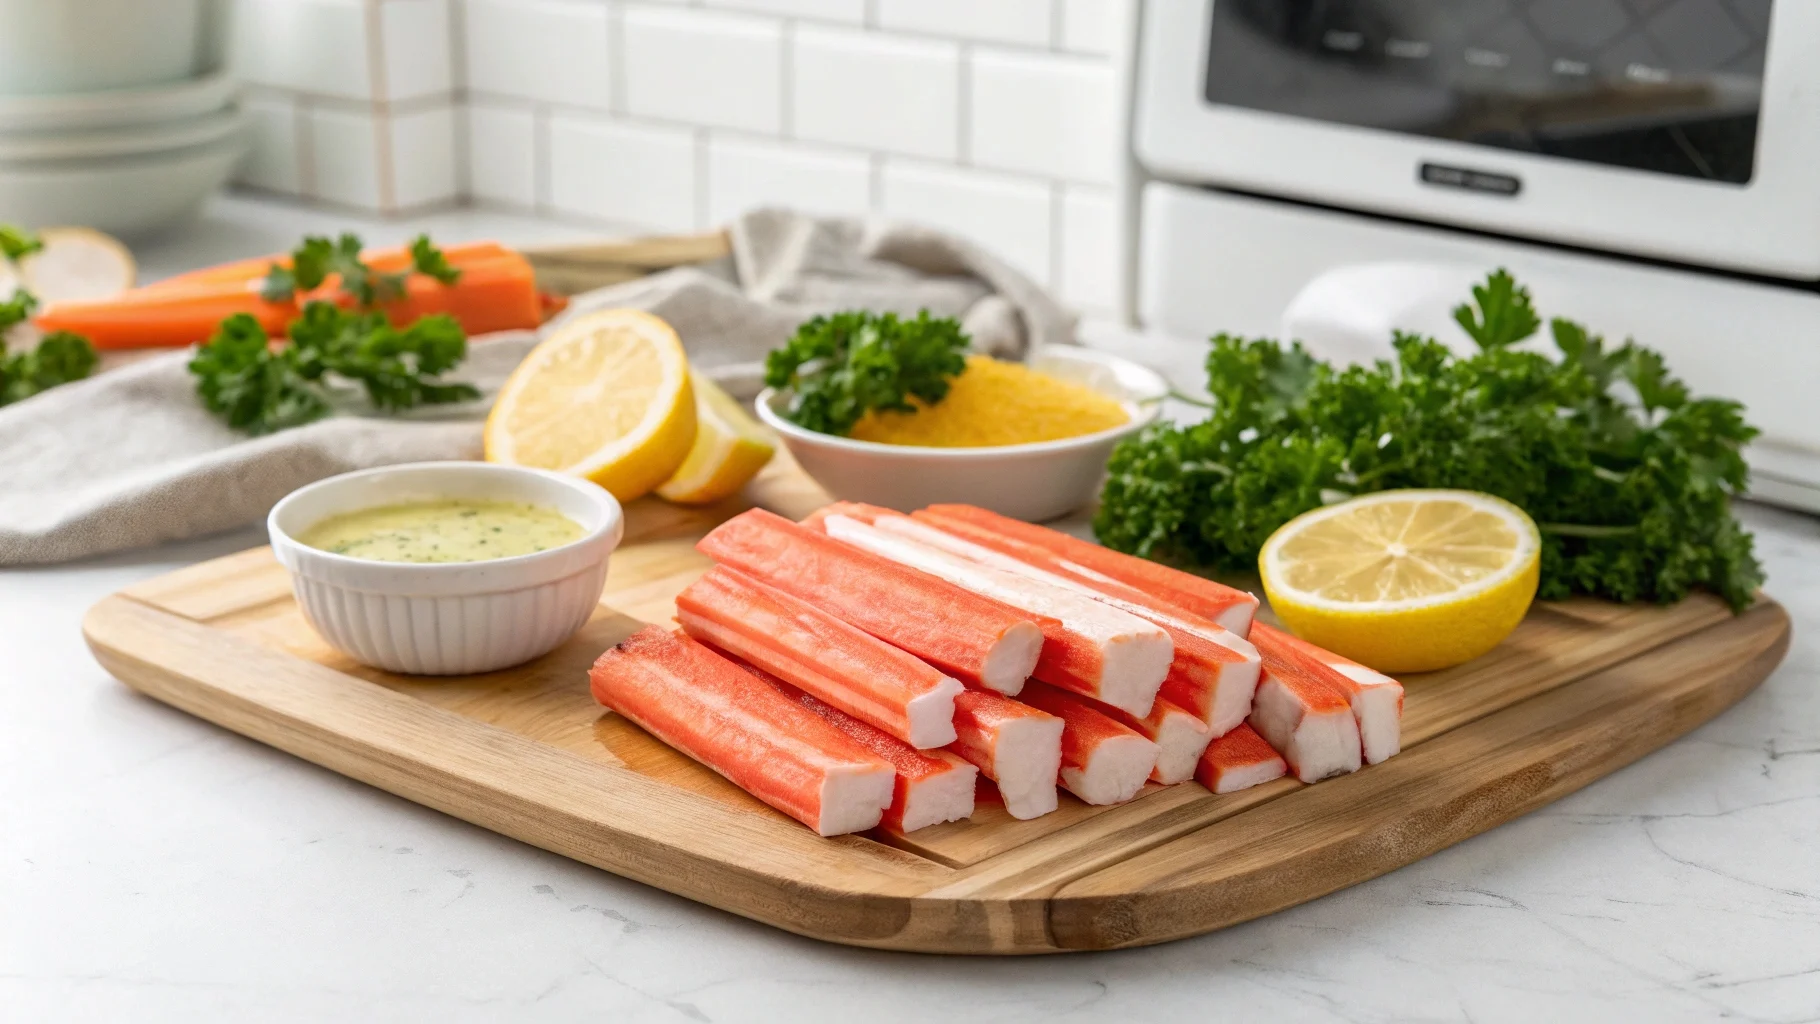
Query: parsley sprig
<point x="260" y="389"/>
<point x="1628" y="475"/>
<point x="840" y="367"/>
<point x="58" y="358"/>
<point x="318" y="257"/>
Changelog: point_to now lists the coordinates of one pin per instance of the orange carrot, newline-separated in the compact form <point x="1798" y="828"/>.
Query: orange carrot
<point x="387" y="261"/>
<point x="497" y="291"/>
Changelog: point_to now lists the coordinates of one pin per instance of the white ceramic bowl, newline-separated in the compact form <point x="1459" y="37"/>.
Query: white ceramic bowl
<point x="132" y="140"/>
<point x="56" y="46"/>
<point x="452" y="618"/>
<point x="125" y="196"/>
<point x="1032" y="482"/>
<point x="116" y="108"/>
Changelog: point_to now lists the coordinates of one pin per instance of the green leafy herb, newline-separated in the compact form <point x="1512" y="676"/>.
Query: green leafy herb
<point x="318" y="257"/>
<point x="60" y="357"/>
<point x="17" y="310"/>
<point x="260" y="389"/>
<point x="840" y="367"/>
<point x="17" y="243"/>
<point x="1629" y="477"/>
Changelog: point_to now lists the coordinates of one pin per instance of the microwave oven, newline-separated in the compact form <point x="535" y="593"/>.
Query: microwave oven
<point x="1651" y="167"/>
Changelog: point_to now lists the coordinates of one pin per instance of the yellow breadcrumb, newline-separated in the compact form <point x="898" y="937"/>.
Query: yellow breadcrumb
<point x="996" y="403"/>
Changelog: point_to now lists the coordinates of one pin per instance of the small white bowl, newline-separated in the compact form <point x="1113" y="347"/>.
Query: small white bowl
<point x="101" y="143"/>
<point x="1032" y="482"/>
<point x="116" y="108"/>
<point x="129" y="196"/>
<point x="453" y="618"/>
<point x="58" y="46"/>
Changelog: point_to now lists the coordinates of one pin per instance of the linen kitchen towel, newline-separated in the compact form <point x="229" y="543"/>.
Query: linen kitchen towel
<point x="130" y="458"/>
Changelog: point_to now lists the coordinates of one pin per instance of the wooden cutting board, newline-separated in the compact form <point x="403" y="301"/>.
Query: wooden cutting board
<point x="1581" y="689"/>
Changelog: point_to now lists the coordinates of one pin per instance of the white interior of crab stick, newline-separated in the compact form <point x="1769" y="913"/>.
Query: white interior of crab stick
<point x="1114" y="772"/>
<point x="939" y="798"/>
<point x="1246" y="776"/>
<point x="1026" y="761"/>
<point x="854" y="798"/>
<point x="1181" y="739"/>
<point x="1010" y="661"/>
<point x="1318" y="740"/>
<point x="1378" y="705"/>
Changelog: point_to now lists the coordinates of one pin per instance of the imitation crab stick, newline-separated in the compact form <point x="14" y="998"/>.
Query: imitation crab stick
<point x="1214" y="672"/>
<point x="1239" y="760"/>
<point x="978" y="641"/>
<point x="771" y="747"/>
<point x="1103" y="760"/>
<point x="497" y="291"/>
<point x="1307" y="721"/>
<point x="808" y="648"/>
<point x="932" y="786"/>
<point x="1225" y="605"/>
<point x="1014" y="745"/>
<point x="1180" y="736"/>
<point x="1088" y="647"/>
<point x="1376" y="699"/>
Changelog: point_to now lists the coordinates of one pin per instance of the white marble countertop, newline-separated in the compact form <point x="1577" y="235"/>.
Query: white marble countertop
<point x="154" y="867"/>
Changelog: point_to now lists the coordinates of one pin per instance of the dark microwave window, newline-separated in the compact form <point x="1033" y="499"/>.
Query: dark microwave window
<point x="1669" y="86"/>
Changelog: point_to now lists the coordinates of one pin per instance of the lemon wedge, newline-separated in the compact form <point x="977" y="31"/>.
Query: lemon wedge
<point x="730" y="449"/>
<point x="606" y="396"/>
<point x="1405" y="581"/>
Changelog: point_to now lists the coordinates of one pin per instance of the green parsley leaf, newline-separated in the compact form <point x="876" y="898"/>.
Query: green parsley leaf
<point x="60" y="357"/>
<point x="1629" y="477"/>
<point x="16" y="242"/>
<point x="840" y="367"/>
<point x="429" y="261"/>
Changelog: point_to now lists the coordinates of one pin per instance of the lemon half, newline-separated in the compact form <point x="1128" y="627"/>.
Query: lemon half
<point x="730" y="448"/>
<point x="607" y="396"/>
<point x="1405" y="581"/>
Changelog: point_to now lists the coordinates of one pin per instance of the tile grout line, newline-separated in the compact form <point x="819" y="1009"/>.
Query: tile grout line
<point x="963" y="115"/>
<point x="786" y="82"/>
<point x="382" y="118"/>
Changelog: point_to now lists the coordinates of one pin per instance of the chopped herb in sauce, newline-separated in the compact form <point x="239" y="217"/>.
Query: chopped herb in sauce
<point x="443" y="531"/>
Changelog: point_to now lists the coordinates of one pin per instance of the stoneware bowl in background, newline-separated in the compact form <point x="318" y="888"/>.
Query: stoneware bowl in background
<point x="59" y="46"/>
<point x="1033" y="482"/>
<point x="451" y="618"/>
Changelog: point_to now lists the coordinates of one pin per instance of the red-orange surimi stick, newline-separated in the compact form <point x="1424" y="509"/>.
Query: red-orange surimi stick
<point x="1216" y="601"/>
<point x="808" y="648"/>
<point x="932" y="786"/>
<point x="978" y="641"/>
<point x="715" y="712"/>
<point x="1307" y="721"/>
<point x="1376" y="699"/>
<point x="1239" y="760"/>
<point x="1180" y="737"/>
<point x="1215" y="671"/>
<point x="1091" y="648"/>
<point x="1014" y="745"/>
<point x="1103" y="761"/>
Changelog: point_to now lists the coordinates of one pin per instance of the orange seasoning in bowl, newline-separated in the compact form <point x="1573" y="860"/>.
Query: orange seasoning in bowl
<point x="995" y="403"/>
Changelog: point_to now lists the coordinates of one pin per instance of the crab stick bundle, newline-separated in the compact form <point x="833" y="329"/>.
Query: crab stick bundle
<point x="1214" y="672"/>
<point x="1222" y="604"/>
<point x="1180" y="736"/>
<point x="808" y="648"/>
<point x="1103" y="761"/>
<point x="932" y="786"/>
<point x="771" y="747"/>
<point x="1014" y="745"/>
<point x="1376" y="699"/>
<point x="1089" y="647"/>
<point x="1307" y="721"/>
<point x="978" y="641"/>
<point x="1239" y="760"/>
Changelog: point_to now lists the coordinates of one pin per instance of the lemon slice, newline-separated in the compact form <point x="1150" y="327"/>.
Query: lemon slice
<point x="606" y="396"/>
<point x="730" y="449"/>
<point x="77" y="264"/>
<point x="1405" y="581"/>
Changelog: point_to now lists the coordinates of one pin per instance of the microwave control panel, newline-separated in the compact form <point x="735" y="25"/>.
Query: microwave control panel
<point x="1664" y="86"/>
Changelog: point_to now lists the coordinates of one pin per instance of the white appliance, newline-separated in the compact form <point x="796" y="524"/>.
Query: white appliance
<point x="1330" y="169"/>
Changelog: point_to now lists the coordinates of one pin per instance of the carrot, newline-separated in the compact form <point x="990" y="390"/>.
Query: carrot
<point x="388" y="261"/>
<point x="497" y="291"/>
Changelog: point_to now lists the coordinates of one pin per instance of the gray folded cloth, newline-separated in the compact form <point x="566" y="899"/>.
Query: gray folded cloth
<point x="130" y="457"/>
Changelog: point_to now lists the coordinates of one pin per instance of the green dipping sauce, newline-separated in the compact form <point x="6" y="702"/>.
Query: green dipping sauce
<point x="443" y="531"/>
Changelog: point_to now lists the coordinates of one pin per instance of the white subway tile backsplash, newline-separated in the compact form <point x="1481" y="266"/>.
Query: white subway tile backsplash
<point x="344" y="158"/>
<point x="704" y="67"/>
<point x="273" y="160"/>
<point x="1009" y="216"/>
<point x="502" y="154"/>
<point x="311" y="46"/>
<point x="422" y="158"/>
<point x="1006" y="21"/>
<point x="1043" y="114"/>
<point x="1089" y="249"/>
<point x="852" y="12"/>
<point x="415" y="40"/>
<point x="874" y="91"/>
<point x="745" y="173"/>
<point x="1091" y="26"/>
<point x="550" y="50"/>
<point x="632" y="174"/>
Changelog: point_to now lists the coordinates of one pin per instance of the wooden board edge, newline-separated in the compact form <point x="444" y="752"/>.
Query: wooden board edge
<point x="770" y="870"/>
<point x="1088" y="914"/>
